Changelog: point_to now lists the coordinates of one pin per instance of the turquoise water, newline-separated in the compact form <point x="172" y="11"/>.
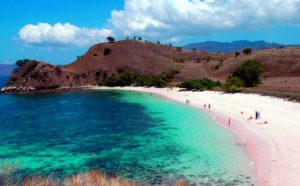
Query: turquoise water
<point x="136" y="136"/>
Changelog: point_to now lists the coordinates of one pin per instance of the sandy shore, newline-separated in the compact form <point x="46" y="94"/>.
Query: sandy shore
<point x="273" y="147"/>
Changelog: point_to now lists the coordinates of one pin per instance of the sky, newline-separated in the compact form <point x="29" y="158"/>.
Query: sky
<point x="57" y="31"/>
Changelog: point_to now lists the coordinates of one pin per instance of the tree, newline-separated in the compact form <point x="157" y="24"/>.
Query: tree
<point x="140" y="38"/>
<point x="194" y="49"/>
<point x="179" y="49"/>
<point x="237" y="54"/>
<point x="247" y="51"/>
<point x="250" y="72"/>
<point x="111" y="39"/>
<point x="200" y="84"/>
<point x="22" y="62"/>
<point x="106" y="51"/>
<point x="158" y="42"/>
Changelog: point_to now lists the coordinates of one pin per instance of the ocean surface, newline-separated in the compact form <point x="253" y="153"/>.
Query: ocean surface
<point x="137" y="136"/>
<point x="3" y="80"/>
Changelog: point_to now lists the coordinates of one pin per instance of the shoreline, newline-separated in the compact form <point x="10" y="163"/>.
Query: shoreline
<point x="272" y="147"/>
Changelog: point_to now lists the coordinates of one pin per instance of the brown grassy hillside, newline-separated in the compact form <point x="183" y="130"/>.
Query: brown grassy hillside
<point x="282" y="66"/>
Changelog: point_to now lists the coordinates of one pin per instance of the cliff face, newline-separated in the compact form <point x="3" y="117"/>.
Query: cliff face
<point x="39" y="76"/>
<point x="145" y="58"/>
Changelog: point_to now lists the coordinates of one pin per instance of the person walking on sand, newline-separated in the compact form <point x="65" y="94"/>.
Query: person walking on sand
<point x="229" y="121"/>
<point x="256" y="115"/>
<point x="209" y="106"/>
<point x="204" y="106"/>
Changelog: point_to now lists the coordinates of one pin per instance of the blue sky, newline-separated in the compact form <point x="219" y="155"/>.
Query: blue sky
<point x="57" y="31"/>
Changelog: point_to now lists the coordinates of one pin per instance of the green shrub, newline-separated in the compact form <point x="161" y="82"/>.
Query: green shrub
<point x="111" y="39"/>
<point x="127" y="78"/>
<point x="179" y="60"/>
<point x="200" y="84"/>
<point x="106" y="51"/>
<point x="179" y="49"/>
<point x="233" y="84"/>
<point x="111" y="81"/>
<point x="247" y="51"/>
<point x="22" y="62"/>
<point x="250" y="72"/>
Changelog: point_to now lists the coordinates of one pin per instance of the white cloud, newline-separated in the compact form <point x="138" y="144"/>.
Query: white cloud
<point x="59" y="34"/>
<point x="175" y="18"/>
<point x="170" y="20"/>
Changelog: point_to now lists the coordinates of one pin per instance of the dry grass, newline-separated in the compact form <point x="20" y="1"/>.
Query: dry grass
<point x="93" y="178"/>
<point x="181" y="183"/>
<point x="38" y="181"/>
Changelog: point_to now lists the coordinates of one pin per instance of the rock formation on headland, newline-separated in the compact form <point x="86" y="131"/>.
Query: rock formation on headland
<point x="282" y="66"/>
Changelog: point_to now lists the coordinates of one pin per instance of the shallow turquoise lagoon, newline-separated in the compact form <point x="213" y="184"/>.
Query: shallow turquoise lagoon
<point x="133" y="135"/>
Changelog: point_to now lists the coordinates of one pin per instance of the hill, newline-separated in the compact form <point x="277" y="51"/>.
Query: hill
<point x="213" y="46"/>
<point x="282" y="66"/>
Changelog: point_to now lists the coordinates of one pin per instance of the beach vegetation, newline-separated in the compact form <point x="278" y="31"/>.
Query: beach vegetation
<point x="237" y="54"/>
<point x="249" y="71"/>
<point x="128" y="78"/>
<point x="110" y="39"/>
<point x="233" y="84"/>
<point x="106" y="51"/>
<point x="200" y="84"/>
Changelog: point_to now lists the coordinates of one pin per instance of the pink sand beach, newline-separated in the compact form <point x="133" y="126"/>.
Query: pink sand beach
<point x="274" y="147"/>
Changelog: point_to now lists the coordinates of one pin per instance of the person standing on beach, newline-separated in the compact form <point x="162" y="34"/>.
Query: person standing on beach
<point x="204" y="106"/>
<point x="256" y="115"/>
<point x="209" y="106"/>
<point x="229" y="121"/>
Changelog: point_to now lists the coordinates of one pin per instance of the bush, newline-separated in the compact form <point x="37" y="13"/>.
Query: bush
<point x="233" y="84"/>
<point x="200" y="84"/>
<point x="127" y="78"/>
<point x="179" y="49"/>
<point x="247" y="51"/>
<point x="250" y="72"/>
<point x="111" y="39"/>
<point x="22" y="62"/>
<point x="208" y="59"/>
<point x="106" y="51"/>
<point x="179" y="60"/>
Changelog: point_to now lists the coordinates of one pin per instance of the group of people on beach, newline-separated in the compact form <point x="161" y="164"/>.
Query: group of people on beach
<point x="207" y="106"/>
<point x="257" y="116"/>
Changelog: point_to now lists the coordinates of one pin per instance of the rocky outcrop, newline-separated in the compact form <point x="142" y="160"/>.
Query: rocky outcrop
<point x="41" y="77"/>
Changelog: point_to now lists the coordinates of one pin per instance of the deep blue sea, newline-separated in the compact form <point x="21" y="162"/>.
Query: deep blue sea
<point x="3" y="80"/>
<point x="136" y="136"/>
